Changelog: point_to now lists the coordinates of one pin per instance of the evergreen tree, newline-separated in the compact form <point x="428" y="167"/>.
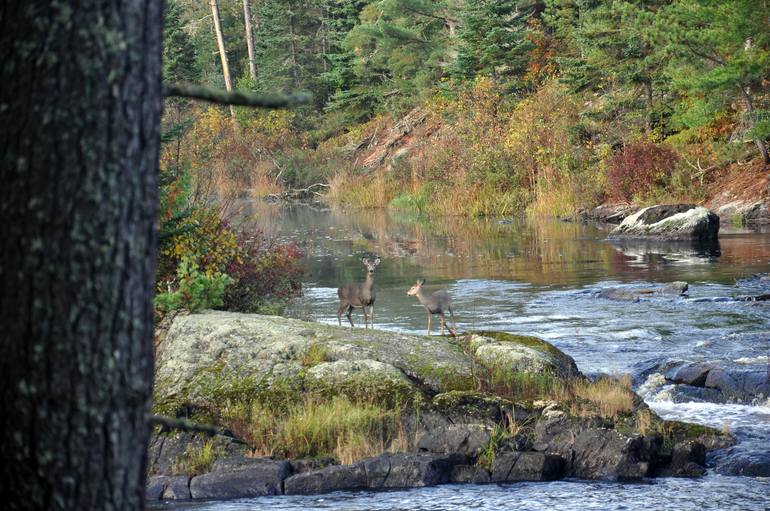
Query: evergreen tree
<point x="179" y="58"/>
<point x="402" y="48"/>
<point x="492" y="40"/>
<point x="720" y="52"/>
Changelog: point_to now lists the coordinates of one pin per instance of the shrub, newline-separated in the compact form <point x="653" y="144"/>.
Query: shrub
<point x="267" y="275"/>
<point x="196" y="291"/>
<point x="634" y="171"/>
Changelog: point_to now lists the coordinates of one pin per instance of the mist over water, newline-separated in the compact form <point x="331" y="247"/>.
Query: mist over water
<point x="542" y="278"/>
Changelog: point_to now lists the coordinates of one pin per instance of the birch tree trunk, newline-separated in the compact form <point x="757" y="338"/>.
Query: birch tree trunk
<point x="80" y="113"/>
<point x="249" y="39"/>
<point x="222" y="52"/>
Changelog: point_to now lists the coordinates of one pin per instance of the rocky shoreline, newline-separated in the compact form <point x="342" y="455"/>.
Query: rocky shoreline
<point x="483" y="408"/>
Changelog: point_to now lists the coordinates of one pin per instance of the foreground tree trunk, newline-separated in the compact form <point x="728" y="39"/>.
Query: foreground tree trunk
<point x="222" y="53"/>
<point x="80" y="112"/>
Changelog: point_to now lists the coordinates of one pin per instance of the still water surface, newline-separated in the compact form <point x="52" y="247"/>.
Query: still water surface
<point x="541" y="278"/>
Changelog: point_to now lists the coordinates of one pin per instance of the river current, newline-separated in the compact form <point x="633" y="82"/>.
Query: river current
<point x="542" y="277"/>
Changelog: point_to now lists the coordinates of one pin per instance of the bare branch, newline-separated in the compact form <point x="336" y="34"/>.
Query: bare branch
<point x="237" y="98"/>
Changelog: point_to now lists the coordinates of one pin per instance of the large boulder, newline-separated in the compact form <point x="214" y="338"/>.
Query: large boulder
<point x="670" y="222"/>
<point x="204" y="355"/>
<point x="252" y="477"/>
<point x="215" y="350"/>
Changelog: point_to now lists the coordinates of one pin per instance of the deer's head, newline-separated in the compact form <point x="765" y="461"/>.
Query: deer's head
<point x="415" y="289"/>
<point x="370" y="265"/>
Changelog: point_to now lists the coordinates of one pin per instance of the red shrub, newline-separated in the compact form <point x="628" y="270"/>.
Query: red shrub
<point x="267" y="275"/>
<point x="637" y="168"/>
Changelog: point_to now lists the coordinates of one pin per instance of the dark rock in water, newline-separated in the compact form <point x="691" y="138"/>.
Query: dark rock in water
<point x="327" y="479"/>
<point x="687" y="460"/>
<point x="467" y="439"/>
<point x="689" y="394"/>
<point x="692" y="374"/>
<point x="751" y="464"/>
<point x="670" y="222"/>
<point x="707" y="381"/>
<point x="168" y="488"/>
<point x="469" y="474"/>
<point x="256" y="478"/>
<point x="634" y="295"/>
<point x="595" y="452"/>
<point x="403" y="470"/>
<point x="410" y="470"/>
<point x="527" y="466"/>
<point x="740" y="385"/>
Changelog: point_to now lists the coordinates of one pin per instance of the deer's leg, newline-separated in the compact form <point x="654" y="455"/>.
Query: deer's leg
<point x="371" y="315"/>
<point x="430" y="318"/>
<point x="454" y="323"/>
<point x="349" y="315"/>
<point x="366" y="318"/>
<point x="339" y="313"/>
<point x="442" y="319"/>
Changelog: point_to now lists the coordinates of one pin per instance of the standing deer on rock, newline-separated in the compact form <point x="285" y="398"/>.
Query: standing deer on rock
<point x="435" y="303"/>
<point x="359" y="294"/>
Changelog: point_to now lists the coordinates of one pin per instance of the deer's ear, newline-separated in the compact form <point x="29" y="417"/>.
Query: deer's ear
<point x="377" y="261"/>
<point x="421" y="281"/>
<point x="365" y="260"/>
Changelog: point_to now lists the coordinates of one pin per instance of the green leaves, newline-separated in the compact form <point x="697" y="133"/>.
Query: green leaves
<point x="196" y="291"/>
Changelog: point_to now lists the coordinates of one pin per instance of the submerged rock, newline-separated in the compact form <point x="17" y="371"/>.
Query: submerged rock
<point x="670" y="222"/>
<point x="751" y="464"/>
<point x="634" y="295"/>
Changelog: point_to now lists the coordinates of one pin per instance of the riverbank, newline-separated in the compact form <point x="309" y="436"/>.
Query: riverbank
<point x="479" y="408"/>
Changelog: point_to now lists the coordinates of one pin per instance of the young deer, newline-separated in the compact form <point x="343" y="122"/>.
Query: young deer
<point x="435" y="303"/>
<point x="359" y="294"/>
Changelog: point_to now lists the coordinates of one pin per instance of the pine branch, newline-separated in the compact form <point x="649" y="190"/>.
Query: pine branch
<point x="237" y="98"/>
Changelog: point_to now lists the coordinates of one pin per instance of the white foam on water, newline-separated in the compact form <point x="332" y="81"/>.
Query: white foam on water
<point x="762" y="359"/>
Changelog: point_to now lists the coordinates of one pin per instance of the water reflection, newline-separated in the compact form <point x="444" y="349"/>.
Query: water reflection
<point x="542" y="252"/>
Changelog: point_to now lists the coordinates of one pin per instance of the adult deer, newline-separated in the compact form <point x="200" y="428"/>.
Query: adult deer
<point x="359" y="294"/>
<point x="434" y="303"/>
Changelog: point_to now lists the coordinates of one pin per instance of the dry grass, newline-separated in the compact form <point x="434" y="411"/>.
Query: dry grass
<point x="644" y="422"/>
<point x="314" y="427"/>
<point x="609" y="397"/>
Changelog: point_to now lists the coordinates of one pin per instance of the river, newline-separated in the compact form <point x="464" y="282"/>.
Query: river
<point x="541" y="277"/>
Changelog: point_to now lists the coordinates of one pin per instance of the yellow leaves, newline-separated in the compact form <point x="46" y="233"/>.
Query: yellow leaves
<point x="206" y="240"/>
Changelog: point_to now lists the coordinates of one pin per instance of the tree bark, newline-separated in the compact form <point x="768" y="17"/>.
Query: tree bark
<point x="750" y="112"/>
<point x="249" y="39"/>
<point x="80" y="113"/>
<point x="222" y="52"/>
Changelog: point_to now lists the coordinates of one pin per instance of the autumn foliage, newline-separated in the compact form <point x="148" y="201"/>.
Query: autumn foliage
<point x="633" y="171"/>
